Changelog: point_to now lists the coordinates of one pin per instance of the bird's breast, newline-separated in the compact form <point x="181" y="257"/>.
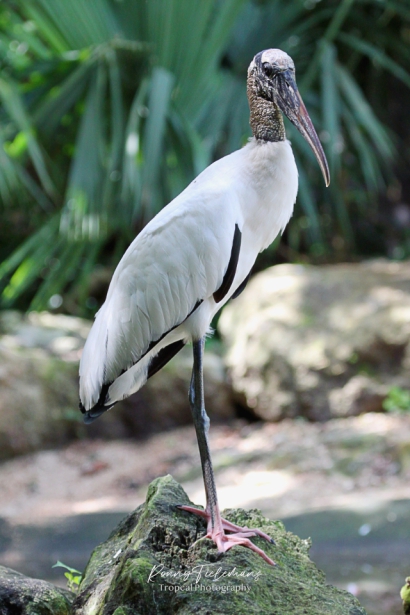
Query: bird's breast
<point x="269" y="189"/>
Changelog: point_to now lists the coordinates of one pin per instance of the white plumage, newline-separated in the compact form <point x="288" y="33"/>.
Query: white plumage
<point x="180" y="258"/>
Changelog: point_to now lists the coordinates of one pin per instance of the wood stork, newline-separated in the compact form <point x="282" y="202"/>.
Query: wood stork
<point x="193" y="257"/>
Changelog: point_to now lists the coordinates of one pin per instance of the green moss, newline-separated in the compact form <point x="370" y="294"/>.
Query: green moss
<point x="405" y="596"/>
<point x="20" y="594"/>
<point x="362" y="442"/>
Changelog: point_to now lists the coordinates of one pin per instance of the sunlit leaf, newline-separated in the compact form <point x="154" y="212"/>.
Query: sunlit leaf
<point x="14" y="105"/>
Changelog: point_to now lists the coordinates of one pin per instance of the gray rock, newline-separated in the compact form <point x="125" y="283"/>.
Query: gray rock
<point x="39" y="355"/>
<point x="319" y="342"/>
<point x="150" y="564"/>
<point x="38" y="401"/>
<point x="20" y="595"/>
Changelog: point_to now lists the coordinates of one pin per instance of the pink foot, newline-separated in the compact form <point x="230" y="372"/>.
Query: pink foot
<point x="238" y="535"/>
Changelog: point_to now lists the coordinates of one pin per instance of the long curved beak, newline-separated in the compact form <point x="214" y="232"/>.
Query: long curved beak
<point x="292" y="105"/>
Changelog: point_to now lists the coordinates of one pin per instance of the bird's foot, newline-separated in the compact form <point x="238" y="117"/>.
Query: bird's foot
<point x="237" y="535"/>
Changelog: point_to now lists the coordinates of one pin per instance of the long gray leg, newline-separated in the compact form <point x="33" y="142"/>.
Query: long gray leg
<point x="201" y="422"/>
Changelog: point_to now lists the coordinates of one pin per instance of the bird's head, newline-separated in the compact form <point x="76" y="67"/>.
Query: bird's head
<point x="271" y="79"/>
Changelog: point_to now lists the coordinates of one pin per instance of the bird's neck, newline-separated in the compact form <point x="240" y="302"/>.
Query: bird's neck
<point x="266" y="119"/>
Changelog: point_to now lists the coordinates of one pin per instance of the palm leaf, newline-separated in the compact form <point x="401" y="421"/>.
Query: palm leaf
<point x="82" y="217"/>
<point x="364" y="114"/>
<point x="158" y="105"/>
<point x="376" y="55"/>
<point x="331" y="107"/>
<point x="117" y="105"/>
<point x="15" y="108"/>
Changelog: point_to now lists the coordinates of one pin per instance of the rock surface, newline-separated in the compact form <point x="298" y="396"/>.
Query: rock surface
<point x="150" y="565"/>
<point x="39" y="355"/>
<point x="20" y="595"/>
<point x="38" y="379"/>
<point x="320" y="342"/>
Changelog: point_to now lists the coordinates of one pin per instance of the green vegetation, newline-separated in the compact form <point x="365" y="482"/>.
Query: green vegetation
<point x="397" y="400"/>
<point x="72" y="575"/>
<point x="110" y="108"/>
<point x="405" y="596"/>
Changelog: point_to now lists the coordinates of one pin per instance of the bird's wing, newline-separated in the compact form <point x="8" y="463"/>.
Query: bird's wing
<point x="176" y="262"/>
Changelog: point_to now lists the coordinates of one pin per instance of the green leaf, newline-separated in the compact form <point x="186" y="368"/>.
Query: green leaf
<point x="59" y="564"/>
<point x="14" y="105"/>
<point x="309" y="206"/>
<point x="154" y="133"/>
<point x="82" y="216"/>
<point x="75" y="24"/>
<point x="367" y="159"/>
<point x="376" y="55"/>
<point x="49" y="113"/>
<point x="45" y="236"/>
<point x="331" y="107"/>
<point x="363" y="113"/>
<point x="333" y="29"/>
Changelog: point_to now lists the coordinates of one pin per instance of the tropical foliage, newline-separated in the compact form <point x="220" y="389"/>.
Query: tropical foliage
<point x="110" y="107"/>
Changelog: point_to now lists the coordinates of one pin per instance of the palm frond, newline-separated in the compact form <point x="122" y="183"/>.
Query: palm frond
<point x="158" y="105"/>
<point x="109" y="109"/>
<point x="14" y="106"/>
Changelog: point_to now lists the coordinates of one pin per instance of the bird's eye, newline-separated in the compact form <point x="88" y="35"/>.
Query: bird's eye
<point x="268" y="69"/>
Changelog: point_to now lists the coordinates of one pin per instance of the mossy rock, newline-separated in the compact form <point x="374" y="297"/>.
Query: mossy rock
<point x="20" y="595"/>
<point x="150" y="564"/>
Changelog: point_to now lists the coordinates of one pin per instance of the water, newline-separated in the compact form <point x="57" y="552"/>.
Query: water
<point x="34" y="549"/>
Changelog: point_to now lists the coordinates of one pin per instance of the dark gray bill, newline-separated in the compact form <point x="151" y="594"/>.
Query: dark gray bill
<point x="292" y="105"/>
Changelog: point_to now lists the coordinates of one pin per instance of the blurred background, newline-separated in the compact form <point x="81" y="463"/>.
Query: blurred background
<point x="108" y="109"/>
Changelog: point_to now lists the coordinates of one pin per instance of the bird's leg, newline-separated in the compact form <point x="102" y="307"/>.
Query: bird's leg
<point x="201" y="422"/>
<point x="217" y="526"/>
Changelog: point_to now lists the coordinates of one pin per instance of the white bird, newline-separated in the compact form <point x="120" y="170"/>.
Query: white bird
<point x="193" y="257"/>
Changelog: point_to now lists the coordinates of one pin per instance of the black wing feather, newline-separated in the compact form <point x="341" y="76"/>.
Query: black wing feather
<point x="241" y="286"/>
<point x="231" y="269"/>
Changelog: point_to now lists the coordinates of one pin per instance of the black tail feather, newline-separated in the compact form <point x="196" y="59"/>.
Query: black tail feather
<point x="94" y="413"/>
<point x="161" y="359"/>
<point x="99" y="408"/>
